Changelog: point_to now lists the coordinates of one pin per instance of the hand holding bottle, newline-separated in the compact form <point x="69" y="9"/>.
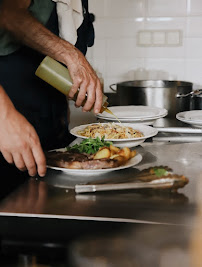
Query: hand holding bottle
<point x="59" y="77"/>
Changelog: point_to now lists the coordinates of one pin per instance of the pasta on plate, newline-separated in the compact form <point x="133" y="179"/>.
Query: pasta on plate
<point x="110" y="131"/>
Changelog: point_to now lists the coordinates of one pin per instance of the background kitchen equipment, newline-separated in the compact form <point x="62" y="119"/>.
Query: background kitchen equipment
<point x="196" y="100"/>
<point x="155" y="93"/>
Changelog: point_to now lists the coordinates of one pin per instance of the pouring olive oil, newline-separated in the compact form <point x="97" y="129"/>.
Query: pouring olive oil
<point x="110" y="112"/>
<point x="58" y="76"/>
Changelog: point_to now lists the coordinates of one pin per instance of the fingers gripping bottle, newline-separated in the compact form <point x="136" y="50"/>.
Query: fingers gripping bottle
<point x="58" y="76"/>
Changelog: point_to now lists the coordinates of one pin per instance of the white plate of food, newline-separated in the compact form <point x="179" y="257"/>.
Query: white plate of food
<point x="133" y="113"/>
<point x="192" y="117"/>
<point x="87" y="172"/>
<point x="91" y="157"/>
<point x="129" y="134"/>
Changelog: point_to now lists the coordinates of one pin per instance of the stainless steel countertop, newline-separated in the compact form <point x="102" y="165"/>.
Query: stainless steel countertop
<point x="157" y="229"/>
<point x="54" y="197"/>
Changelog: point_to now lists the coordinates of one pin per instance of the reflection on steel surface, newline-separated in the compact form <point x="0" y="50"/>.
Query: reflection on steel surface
<point x="157" y="177"/>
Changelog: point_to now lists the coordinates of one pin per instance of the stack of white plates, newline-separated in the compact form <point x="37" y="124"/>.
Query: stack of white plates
<point x="192" y="117"/>
<point x="134" y="114"/>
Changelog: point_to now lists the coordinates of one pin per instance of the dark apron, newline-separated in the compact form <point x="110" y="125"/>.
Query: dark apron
<point x="42" y="105"/>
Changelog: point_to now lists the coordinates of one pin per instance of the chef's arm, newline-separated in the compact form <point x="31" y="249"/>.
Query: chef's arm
<point x="19" y="142"/>
<point x="16" y="18"/>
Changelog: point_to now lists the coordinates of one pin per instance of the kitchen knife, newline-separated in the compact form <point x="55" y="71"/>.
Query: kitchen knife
<point x="160" y="183"/>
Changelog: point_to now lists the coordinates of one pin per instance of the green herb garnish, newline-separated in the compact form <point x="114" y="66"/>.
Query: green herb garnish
<point x="160" y="172"/>
<point x="89" y="145"/>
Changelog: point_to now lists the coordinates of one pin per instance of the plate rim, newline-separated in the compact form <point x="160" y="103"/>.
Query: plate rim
<point x="164" y="112"/>
<point x="191" y="121"/>
<point x="155" y="132"/>
<point x="131" y="119"/>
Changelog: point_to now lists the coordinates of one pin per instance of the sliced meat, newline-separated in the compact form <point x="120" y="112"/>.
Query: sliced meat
<point x="53" y="156"/>
<point x="73" y="160"/>
<point x="94" y="164"/>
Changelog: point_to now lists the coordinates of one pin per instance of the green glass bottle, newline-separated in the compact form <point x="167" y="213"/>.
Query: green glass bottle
<point x="58" y="76"/>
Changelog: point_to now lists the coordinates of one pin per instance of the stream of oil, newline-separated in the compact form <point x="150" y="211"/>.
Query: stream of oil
<point x="110" y="112"/>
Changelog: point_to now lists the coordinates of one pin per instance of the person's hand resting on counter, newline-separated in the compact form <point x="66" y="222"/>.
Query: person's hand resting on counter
<point x="19" y="142"/>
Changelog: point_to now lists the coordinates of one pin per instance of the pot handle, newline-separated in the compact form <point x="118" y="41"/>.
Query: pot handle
<point x="115" y="90"/>
<point x="196" y="92"/>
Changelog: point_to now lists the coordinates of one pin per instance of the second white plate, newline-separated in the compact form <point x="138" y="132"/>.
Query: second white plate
<point x="192" y="117"/>
<point x="134" y="113"/>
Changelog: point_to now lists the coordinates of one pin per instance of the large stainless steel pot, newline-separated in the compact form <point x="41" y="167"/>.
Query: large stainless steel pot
<point x="155" y="93"/>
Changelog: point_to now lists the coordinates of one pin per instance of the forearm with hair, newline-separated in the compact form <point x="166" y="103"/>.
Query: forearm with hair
<point x="31" y="32"/>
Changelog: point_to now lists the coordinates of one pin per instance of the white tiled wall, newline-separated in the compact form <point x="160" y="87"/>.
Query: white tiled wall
<point x="116" y="53"/>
